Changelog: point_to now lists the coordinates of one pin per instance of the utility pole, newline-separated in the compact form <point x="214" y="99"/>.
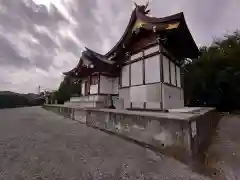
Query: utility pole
<point x="38" y="89"/>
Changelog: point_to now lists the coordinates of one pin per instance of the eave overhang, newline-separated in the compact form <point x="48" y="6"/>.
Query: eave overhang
<point x="169" y="27"/>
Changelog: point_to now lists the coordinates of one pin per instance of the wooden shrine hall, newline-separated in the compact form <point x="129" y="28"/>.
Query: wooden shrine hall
<point x="142" y="71"/>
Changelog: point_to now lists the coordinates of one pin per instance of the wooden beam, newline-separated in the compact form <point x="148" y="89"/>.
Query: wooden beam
<point x="161" y="63"/>
<point x="99" y="83"/>
<point x="130" y="83"/>
<point x="176" y="74"/>
<point x="170" y="75"/>
<point x="143" y="68"/>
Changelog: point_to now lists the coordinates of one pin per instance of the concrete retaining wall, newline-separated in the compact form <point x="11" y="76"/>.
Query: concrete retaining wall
<point x="168" y="135"/>
<point x="179" y="134"/>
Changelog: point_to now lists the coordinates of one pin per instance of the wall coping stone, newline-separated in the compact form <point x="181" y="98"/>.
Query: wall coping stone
<point x="185" y="114"/>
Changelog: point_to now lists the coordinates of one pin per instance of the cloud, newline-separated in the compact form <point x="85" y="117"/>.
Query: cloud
<point x="38" y="43"/>
<point x="30" y="43"/>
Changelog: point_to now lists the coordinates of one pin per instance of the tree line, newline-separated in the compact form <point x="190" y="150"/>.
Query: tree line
<point x="214" y="79"/>
<point x="14" y="100"/>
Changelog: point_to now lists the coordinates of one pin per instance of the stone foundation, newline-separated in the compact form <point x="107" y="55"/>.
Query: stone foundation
<point x="90" y="101"/>
<point x="181" y="133"/>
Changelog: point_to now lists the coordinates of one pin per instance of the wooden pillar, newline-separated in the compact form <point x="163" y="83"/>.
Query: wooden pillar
<point x="176" y="74"/>
<point x="143" y="67"/>
<point x="170" y="72"/>
<point x="99" y="83"/>
<point x="130" y="83"/>
<point x="161" y="63"/>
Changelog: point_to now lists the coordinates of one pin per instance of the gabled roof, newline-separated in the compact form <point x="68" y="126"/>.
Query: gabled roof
<point x="97" y="62"/>
<point x="166" y="26"/>
<point x="172" y="28"/>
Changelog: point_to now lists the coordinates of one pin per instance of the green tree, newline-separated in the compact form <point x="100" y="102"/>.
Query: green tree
<point x="214" y="79"/>
<point x="67" y="88"/>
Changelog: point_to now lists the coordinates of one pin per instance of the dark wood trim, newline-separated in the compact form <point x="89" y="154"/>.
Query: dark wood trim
<point x="156" y="45"/>
<point x="100" y="94"/>
<point x="135" y="54"/>
<point x="151" y="55"/>
<point x="132" y="61"/>
<point x="130" y="69"/>
<point x="120" y="79"/>
<point x="95" y="73"/>
<point x="175" y="73"/>
<point x="143" y="69"/>
<point x="144" y="105"/>
<point x="161" y="74"/>
<point x="124" y="87"/>
<point x="88" y="84"/>
<point x="107" y="75"/>
<point x="147" y="109"/>
<point x="170" y="74"/>
<point x="170" y="58"/>
<point x="161" y="63"/>
<point x="140" y="85"/>
<point x="162" y="102"/>
<point x="149" y="45"/>
<point x="172" y="85"/>
<point x="180" y="83"/>
<point x="144" y="57"/>
<point x="99" y="83"/>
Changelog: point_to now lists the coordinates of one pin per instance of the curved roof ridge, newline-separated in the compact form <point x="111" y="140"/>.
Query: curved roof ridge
<point x="130" y="23"/>
<point x="139" y="14"/>
<point x="94" y="52"/>
<point x="98" y="56"/>
<point x="149" y="19"/>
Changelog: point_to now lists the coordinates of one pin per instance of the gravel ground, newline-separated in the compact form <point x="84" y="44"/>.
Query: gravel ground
<point x="224" y="152"/>
<point x="37" y="144"/>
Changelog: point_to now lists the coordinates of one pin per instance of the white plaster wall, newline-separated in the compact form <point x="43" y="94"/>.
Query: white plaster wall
<point x="83" y="87"/>
<point x="172" y="97"/>
<point x="137" y="55"/>
<point x="146" y="93"/>
<point x="166" y="69"/>
<point x="125" y="76"/>
<point x="137" y="73"/>
<point x="153" y="96"/>
<point x="173" y="75"/>
<point x="178" y="76"/>
<point x="153" y="105"/>
<point x="153" y="92"/>
<point x="106" y="86"/>
<point x="137" y="104"/>
<point x="118" y="102"/>
<point x="151" y="50"/>
<point x="138" y="93"/>
<point x="94" y="89"/>
<point x="181" y="103"/>
<point x="115" y="85"/>
<point x="152" y="69"/>
<point x="124" y="94"/>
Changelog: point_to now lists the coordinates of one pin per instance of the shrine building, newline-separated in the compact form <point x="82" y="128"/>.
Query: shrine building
<point x="142" y="71"/>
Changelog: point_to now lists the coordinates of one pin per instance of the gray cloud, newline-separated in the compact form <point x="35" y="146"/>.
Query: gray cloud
<point x="19" y="17"/>
<point x="40" y="42"/>
<point x="9" y="55"/>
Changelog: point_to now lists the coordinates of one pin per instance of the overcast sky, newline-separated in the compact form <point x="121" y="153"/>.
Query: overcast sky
<point x="40" y="41"/>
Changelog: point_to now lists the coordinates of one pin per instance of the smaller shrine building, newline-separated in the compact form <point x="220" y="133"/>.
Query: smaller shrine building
<point x="142" y="71"/>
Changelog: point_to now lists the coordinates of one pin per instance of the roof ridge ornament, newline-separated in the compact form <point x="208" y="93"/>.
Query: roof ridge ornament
<point x="142" y="8"/>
